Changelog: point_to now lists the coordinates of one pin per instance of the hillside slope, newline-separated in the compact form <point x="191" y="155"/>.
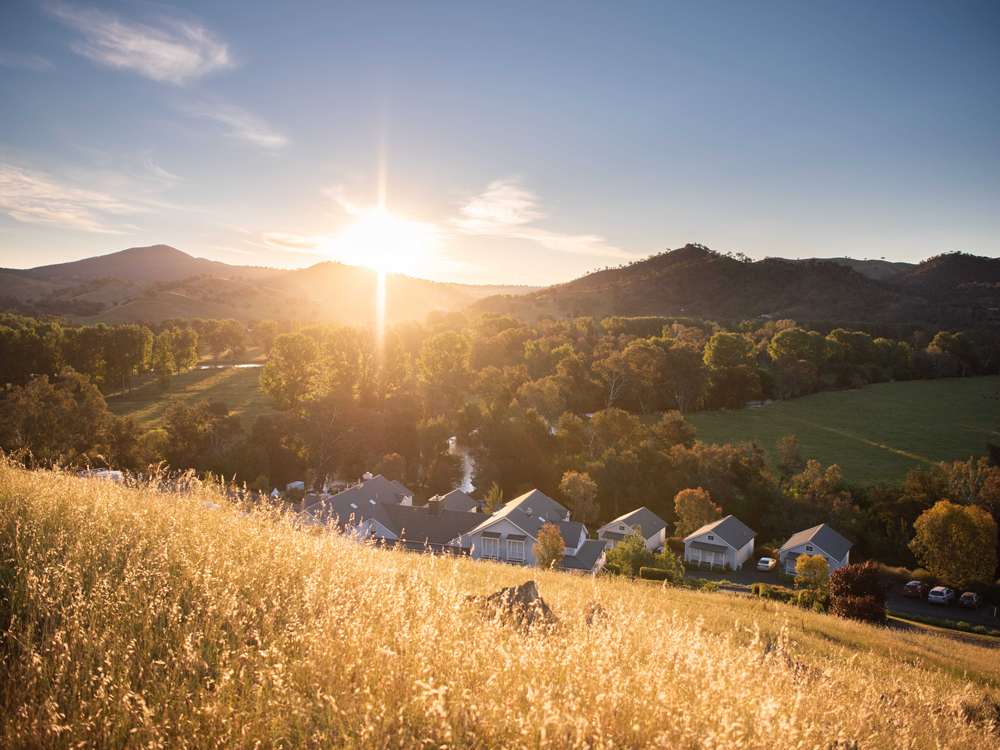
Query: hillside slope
<point x="144" y="619"/>
<point x="699" y="282"/>
<point x="153" y="263"/>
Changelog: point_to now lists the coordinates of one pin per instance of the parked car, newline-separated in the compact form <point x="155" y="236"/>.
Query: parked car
<point x="916" y="589"/>
<point x="766" y="563"/>
<point x="971" y="600"/>
<point x="941" y="595"/>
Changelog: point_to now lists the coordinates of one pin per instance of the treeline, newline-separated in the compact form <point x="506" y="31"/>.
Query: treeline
<point x="557" y="405"/>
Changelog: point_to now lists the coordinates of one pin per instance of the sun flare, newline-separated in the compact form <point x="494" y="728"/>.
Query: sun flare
<point x="386" y="242"/>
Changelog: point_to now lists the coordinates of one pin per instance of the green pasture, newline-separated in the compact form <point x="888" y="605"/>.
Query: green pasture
<point x="237" y="386"/>
<point x="876" y="433"/>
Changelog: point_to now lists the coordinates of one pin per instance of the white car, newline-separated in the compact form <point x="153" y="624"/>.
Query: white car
<point x="941" y="595"/>
<point x="766" y="563"/>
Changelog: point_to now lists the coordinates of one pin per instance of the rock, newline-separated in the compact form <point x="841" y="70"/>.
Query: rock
<point x="519" y="606"/>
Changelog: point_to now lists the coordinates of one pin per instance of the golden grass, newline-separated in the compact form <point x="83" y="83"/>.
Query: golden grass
<point x="143" y="619"/>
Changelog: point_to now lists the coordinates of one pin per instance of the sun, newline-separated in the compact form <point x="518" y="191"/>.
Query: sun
<point x="385" y="242"/>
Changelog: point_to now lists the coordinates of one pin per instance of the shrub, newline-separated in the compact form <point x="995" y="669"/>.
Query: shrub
<point x="612" y="569"/>
<point x="858" y="592"/>
<point x="762" y="551"/>
<point x="654" y="574"/>
<point x="924" y="576"/>
<point x="995" y="633"/>
<point x="981" y="629"/>
<point x="676" y="544"/>
<point x="900" y="574"/>
<point x="820" y="601"/>
<point x="786" y="578"/>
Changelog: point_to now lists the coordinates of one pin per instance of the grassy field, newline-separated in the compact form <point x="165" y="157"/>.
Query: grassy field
<point x="876" y="433"/>
<point x="139" y="619"/>
<point x="237" y="386"/>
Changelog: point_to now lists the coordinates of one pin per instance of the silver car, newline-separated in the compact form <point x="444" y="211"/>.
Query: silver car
<point x="941" y="595"/>
<point x="766" y="563"/>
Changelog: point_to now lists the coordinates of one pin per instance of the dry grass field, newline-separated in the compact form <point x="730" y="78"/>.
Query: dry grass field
<point x="134" y="618"/>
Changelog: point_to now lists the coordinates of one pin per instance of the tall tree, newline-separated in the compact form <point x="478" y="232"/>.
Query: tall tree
<point x="694" y="509"/>
<point x="550" y="548"/>
<point x="582" y="493"/>
<point x="288" y="377"/>
<point x="956" y="543"/>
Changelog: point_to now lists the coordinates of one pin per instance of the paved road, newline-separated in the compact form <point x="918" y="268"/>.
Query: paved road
<point x="982" y="616"/>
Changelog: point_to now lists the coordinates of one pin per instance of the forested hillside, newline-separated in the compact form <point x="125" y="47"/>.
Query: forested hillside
<point x="700" y="282"/>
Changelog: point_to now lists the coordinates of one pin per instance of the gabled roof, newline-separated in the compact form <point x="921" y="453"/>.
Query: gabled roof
<point x="458" y="500"/>
<point x="730" y="529"/>
<point x="543" y="510"/>
<point x="418" y="525"/>
<point x="375" y="490"/>
<point x="641" y="517"/>
<point x="586" y="556"/>
<point x="821" y="536"/>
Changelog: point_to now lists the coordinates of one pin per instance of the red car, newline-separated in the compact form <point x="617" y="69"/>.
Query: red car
<point x="916" y="589"/>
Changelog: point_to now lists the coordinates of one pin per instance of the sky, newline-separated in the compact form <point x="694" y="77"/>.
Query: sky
<point x="498" y="143"/>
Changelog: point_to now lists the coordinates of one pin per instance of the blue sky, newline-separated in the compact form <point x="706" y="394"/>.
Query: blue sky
<point x="519" y="142"/>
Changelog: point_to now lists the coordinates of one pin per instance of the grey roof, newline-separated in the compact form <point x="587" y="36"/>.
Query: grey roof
<point x="642" y="517"/>
<point x="709" y="547"/>
<point x="513" y="537"/>
<point x="417" y="524"/>
<point x="491" y="534"/>
<point x="586" y="556"/>
<point x="730" y="529"/>
<point x="824" y="537"/>
<point x="616" y="535"/>
<point x="458" y="500"/>
<point x="364" y="501"/>
<point x="543" y="510"/>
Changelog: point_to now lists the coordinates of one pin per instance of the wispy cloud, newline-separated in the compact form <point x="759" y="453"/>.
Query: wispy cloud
<point x="317" y="244"/>
<point x="243" y="126"/>
<point x="174" y="52"/>
<point x="24" y="62"/>
<point x="37" y="198"/>
<point x="506" y="210"/>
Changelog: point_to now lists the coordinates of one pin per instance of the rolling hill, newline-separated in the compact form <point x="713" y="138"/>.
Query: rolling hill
<point x="150" y="284"/>
<point x="699" y="282"/>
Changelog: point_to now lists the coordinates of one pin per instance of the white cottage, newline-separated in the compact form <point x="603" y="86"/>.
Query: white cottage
<point x="819" y="540"/>
<point x="727" y="541"/>
<point x="646" y="522"/>
<point x="510" y="534"/>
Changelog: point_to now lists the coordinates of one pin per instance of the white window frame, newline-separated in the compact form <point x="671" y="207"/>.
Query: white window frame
<point x="491" y="547"/>
<point x="515" y="550"/>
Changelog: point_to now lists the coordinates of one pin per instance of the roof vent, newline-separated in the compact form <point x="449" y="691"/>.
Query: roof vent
<point x="367" y="475"/>
<point x="372" y="502"/>
<point x="354" y="506"/>
<point x="528" y="511"/>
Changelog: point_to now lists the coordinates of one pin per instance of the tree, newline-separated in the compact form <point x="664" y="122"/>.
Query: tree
<point x="163" y="359"/>
<point x="858" y="592"/>
<point x="794" y="344"/>
<point x="812" y="572"/>
<point x="195" y="432"/>
<point x="614" y="373"/>
<point x="956" y="543"/>
<point x="672" y="430"/>
<point x="235" y="338"/>
<point x="728" y="351"/>
<point x="686" y="376"/>
<point x="550" y="548"/>
<point x="57" y="423"/>
<point x="694" y="509"/>
<point x="289" y="375"/>
<point x="184" y="342"/>
<point x="631" y="555"/>
<point x="493" y="498"/>
<point x="264" y="334"/>
<point x="124" y="443"/>
<point x="443" y="364"/>
<point x="392" y="466"/>
<point x="582" y="493"/>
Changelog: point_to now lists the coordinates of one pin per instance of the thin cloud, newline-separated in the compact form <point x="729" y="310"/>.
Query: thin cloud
<point x="24" y="62"/>
<point x="37" y="198"/>
<point x="243" y="126"/>
<point x="173" y="53"/>
<point x="314" y="245"/>
<point x="506" y="210"/>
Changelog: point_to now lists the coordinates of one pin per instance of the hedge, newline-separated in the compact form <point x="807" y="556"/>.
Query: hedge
<point x="612" y="569"/>
<point x="654" y="574"/>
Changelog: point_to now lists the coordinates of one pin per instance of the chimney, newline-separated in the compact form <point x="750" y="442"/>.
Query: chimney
<point x="367" y="475"/>
<point x="434" y="507"/>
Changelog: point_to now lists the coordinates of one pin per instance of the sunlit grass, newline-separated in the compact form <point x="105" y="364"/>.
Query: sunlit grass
<point x="876" y="433"/>
<point x="144" y="619"/>
<point x="237" y="386"/>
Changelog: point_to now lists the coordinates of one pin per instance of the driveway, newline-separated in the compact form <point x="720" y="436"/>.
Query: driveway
<point x="904" y="604"/>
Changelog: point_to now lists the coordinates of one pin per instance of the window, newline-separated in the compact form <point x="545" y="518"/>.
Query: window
<point x="621" y="527"/>
<point x="515" y="550"/>
<point x="809" y="548"/>
<point x="711" y="538"/>
<point x="491" y="547"/>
